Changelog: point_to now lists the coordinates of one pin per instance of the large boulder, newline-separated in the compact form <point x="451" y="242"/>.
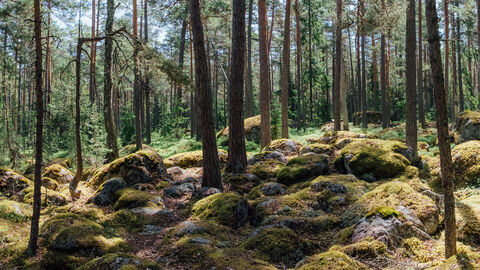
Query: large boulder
<point x="58" y="173"/>
<point x="466" y="164"/>
<point x="301" y="168"/>
<point x="15" y="211"/>
<point x="468" y="125"/>
<point x="192" y="159"/>
<point x="331" y="260"/>
<point x="227" y="209"/>
<point x="115" y="261"/>
<point x="141" y="167"/>
<point x="284" y="146"/>
<point x="131" y="198"/>
<point x="468" y="218"/>
<point x="12" y="182"/>
<point x="105" y="194"/>
<point x="251" y="129"/>
<point x="372" y="160"/>
<point x="393" y="201"/>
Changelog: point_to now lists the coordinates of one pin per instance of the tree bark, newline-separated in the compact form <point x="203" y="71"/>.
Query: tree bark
<point x="298" y="37"/>
<point x="364" y="70"/>
<point x="459" y="61"/>
<point x="32" y="243"/>
<point x="442" y="128"/>
<point x="310" y="63"/>
<point x="211" y="166"/>
<point x="410" y="57"/>
<point x="237" y="155"/>
<point x="264" y="76"/>
<point x="93" y="57"/>
<point x="478" y="48"/>
<point x="148" y="116"/>
<point x="374" y="76"/>
<point x="286" y="69"/>
<point x="338" y="68"/>
<point x="249" y="103"/>
<point x="421" y="95"/>
<point x="383" y="79"/>
<point x="137" y="91"/>
<point x="108" y="86"/>
<point x="447" y="43"/>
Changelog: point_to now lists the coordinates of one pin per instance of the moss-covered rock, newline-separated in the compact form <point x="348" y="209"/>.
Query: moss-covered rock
<point x="368" y="248"/>
<point x="417" y="250"/>
<point x="48" y="197"/>
<point x="251" y="130"/>
<point x="285" y="146"/>
<point x="71" y="232"/>
<point x="463" y="260"/>
<point x="278" y="245"/>
<point x="114" y="261"/>
<point x="396" y="199"/>
<point x="339" y="138"/>
<point x="301" y="168"/>
<point x="372" y="160"/>
<point x="131" y="198"/>
<point x="231" y="258"/>
<point x="49" y="183"/>
<point x="466" y="164"/>
<point x="332" y="260"/>
<point x="241" y="183"/>
<point x="317" y="148"/>
<point x="14" y="211"/>
<point x="64" y="162"/>
<point x="468" y="219"/>
<point x="266" y="170"/>
<point x="132" y="148"/>
<point x="468" y="125"/>
<point x="141" y="167"/>
<point x="228" y="209"/>
<point x="58" y="173"/>
<point x="12" y="182"/>
<point x="192" y="159"/>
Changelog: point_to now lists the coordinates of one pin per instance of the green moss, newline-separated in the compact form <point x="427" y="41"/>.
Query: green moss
<point x="384" y="211"/>
<point x="48" y="197"/>
<point x="241" y="183"/>
<point x="368" y="248"/>
<point x="15" y="211"/>
<point x="132" y="198"/>
<point x="255" y="193"/>
<point x="463" y="260"/>
<point x="318" y="148"/>
<point x="374" y="158"/>
<point x="49" y="183"/>
<point x="71" y="232"/>
<point x="193" y="159"/>
<point x="58" y="173"/>
<point x="128" y="220"/>
<point x="218" y="207"/>
<point x="187" y="252"/>
<point x="12" y="182"/>
<point x="466" y="164"/>
<point x="300" y="168"/>
<point x="86" y="211"/>
<point x="332" y="260"/>
<point x="281" y="146"/>
<point x="468" y="220"/>
<point x="415" y="249"/>
<point x="344" y="235"/>
<point x="267" y="169"/>
<point x="128" y="262"/>
<point x="237" y="259"/>
<point x="162" y="185"/>
<point x="277" y="245"/>
<point x="64" y="162"/>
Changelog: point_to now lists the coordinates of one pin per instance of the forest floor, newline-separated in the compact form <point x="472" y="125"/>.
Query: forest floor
<point x="319" y="200"/>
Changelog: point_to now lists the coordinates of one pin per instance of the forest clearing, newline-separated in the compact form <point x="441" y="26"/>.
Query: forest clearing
<point x="240" y="134"/>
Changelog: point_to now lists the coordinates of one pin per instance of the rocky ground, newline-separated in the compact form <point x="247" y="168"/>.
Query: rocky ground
<point x="342" y="200"/>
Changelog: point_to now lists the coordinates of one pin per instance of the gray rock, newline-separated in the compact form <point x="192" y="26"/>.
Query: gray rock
<point x="178" y="190"/>
<point x="201" y="241"/>
<point x="151" y="230"/>
<point x="273" y="189"/>
<point x="327" y="185"/>
<point x="205" y="192"/>
<point x="106" y="195"/>
<point x="189" y="228"/>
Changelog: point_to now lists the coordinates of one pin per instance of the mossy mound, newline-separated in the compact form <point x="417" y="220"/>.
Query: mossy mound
<point x="231" y="258"/>
<point x="132" y="198"/>
<point x="189" y="251"/>
<point x="396" y="199"/>
<point x="284" y="146"/>
<point x="466" y="164"/>
<point x="71" y="232"/>
<point x="463" y="260"/>
<point x="114" y="261"/>
<point x="251" y="130"/>
<point x="14" y="211"/>
<point x="331" y="260"/>
<point x="266" y="170"/>
<point x="368" y="248"/>
<point x="340" y="137"/>
<point x="132" y="148"/>
<point x="12" y="182"/>
<point x="417" y="250"/>
<point x="317" y="148"/>
<point x="129" y="220"/>
<point x="468" y="125"/>
<point x="373" y="160"/>
<point x="278" y="245"/>
<point x="64" y="162"/>
<point x="228" y="209"/>
<point x="373" y="117"/>
<point x="141" y="167"/>
<point x="48" y="197"/>
<point x="58" y="173"/>
<point x="301" y="168"/>
<point x="49" y="183"/>
<point x="241" y="183"/>
<point x="192" y="159"/>
<point x="468" y="220"/>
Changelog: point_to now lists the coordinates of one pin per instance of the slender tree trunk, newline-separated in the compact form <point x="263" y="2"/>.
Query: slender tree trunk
<point x="478" y="48"/>
<point x="338" y="67"/>
<point x="93" y="57"/>
<point x="442" y="128"/>
<point x="211" y="166"/>
<point x="264" y="95"/>
<point x="410" y="57"/>
<point x="310" y="63"/>
<point x="447" y="44"/>
<point x="137" y="95"/>
<point x="249" y="103"/>
<point x="48" y="63"/>
<point x="286" y="69"/>
<point x="364" y="70"/>
<point x="387" y="76"/>
<point x="108" y="86"/>
<point x="78" y="139"/>
<point x="454" y="69"/>
<point x="359" y="69"/>
<point x="237" y="155"/>
<point x="421" y="95"/>
<point x="374" y="76"/>
<point x="459" y="55"/>
<point x="383" y="79"/>
<point x="32" y="243"/>
<point x="148" y="115"/>
<point x="352" y="75"/>
<point x="298" y="37"/>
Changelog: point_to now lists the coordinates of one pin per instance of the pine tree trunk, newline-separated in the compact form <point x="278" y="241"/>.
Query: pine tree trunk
<point x="137" y="95"/>
<point x="410" y="57"/>
<point x="478" y="48"/>
<point x="442" y="127"/>
<point x="148" y="115"/>
<point x="78" y="139"/>
<point x="374" y="76"/>
<point x="237" y="155"/>
<point x="298" y="37"/>
<point x="421" y="95"/>
<point x="338" y="67"/>
<point x="459" y="55"/>
<point x="32" y="243"/>
<point x="454" y="69"/>
<point x="447" y="44"/>
<point x="310" y="63"/>
<point x="249" y="103"/>
<point x="383" y="80"/>
<point x="93" y="57"/>
<point x="264" y="94"/>
<point x="286" y="69"/>
<point x="364" y="69"/>
<point x="211" y="165"/>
